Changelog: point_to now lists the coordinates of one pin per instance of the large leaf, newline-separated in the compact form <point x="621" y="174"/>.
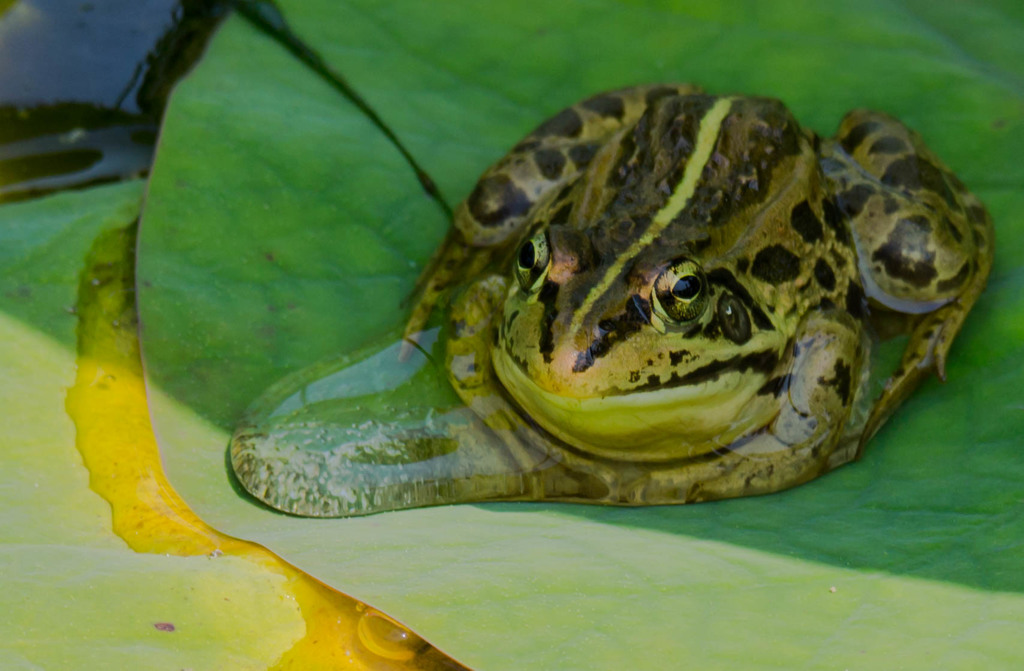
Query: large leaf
<point x="281" y="228"/>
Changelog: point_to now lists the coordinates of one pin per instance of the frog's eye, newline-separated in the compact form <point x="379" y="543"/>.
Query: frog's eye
<point x="734" y="319"/>
<point x="532" y="261"/>
<point x="680" y="292"/>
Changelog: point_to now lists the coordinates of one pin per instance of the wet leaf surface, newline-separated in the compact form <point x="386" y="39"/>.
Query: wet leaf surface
<point x="75" y="596"/>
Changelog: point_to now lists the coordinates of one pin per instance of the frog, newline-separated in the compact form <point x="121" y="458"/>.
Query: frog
<point x="665" y="296"/>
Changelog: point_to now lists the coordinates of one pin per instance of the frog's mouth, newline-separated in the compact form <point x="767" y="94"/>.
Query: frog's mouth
<point x="658" y="424"/>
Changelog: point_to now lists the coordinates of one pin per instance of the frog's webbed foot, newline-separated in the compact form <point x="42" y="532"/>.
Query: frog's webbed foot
<point x="931" y="336"/>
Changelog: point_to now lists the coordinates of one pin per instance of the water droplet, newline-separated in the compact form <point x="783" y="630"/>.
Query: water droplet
<point x="387" y="638"/>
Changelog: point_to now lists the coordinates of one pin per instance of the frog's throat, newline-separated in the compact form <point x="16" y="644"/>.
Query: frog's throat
<point x="656" y="425"/>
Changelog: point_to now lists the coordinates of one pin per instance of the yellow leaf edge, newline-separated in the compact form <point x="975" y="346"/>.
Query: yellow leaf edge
<point x="115" y="437"/>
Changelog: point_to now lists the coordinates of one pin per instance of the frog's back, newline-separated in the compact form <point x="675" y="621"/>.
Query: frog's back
<point x="731" y="181"/>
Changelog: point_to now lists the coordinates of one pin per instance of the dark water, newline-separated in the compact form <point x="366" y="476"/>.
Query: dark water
<point x="83" y="86"/>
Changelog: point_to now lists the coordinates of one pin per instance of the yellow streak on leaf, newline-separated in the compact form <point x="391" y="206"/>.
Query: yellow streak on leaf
<point x="115" y="436"/>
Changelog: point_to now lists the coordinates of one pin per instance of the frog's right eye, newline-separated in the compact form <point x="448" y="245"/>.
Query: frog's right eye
<point x="680" y="292"/>
<point x="532" y="262"/>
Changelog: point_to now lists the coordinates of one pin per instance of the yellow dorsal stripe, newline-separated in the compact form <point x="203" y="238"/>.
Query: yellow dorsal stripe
<point x="707" y="135"/>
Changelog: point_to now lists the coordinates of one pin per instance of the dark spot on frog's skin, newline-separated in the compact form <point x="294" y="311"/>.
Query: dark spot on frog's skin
<point x="612" y="331"/>
<point x="526" y="146"/>
<point x="565" y="192"/>
<point x="617" y="234"/>
<point x="511" y="319"/>
<point x="957" y="280"/>
<point x="835" y="221"/>
<point x="658" y="93"/>
<point x="547" y="295"/>
<point x="906" y="254"/>
<point x="566" y="123"/>
<point x="562" y="215"/>
<point x="954" y="232"/>
<point x="840" y="380"/>
<point x="776" y="386"/>
<point x="497" y="199"/>
<point x="634" y="376"/>
<point x="701" y="244"/>
<point x="675" y="358"/>
<point x="605" y="105"/>
<point x="712" y="330"/>
<point x="826" y="304"/>
<point x="584" y="360"/>
<point x="856" y="304"/>
<point x="742" y="264"/>
<point x="775" y="264"/>
<point x="852" y="201"/>
<point x="978" y="236"/>
<point x="956" y="183"/>
<point x="550" y="163"/>
<point x="642" y="310"/>
<point x="823" y="273"/>
<point x="620" y="171"/>
<point x="856" y="136"/>
<point x="888" y="145"/>
<point x="976" y="213"/>
<point x="582" y="153"/>
<point x="913" y="172"/>
<point x="758" y="362"/>
<point x="890" y="205"/>
<point x="805" y="222"/>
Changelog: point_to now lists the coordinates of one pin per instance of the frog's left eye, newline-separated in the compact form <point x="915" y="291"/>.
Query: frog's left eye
<point x="532" y="262"/>
<point x="680" y="292"/>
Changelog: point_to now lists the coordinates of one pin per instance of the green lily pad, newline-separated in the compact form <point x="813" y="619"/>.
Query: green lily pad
<point x="281" y="228"/>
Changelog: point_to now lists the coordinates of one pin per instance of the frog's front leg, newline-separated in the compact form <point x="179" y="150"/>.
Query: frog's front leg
<point x="924" y="242"/>
<point x="489" y="223"/>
